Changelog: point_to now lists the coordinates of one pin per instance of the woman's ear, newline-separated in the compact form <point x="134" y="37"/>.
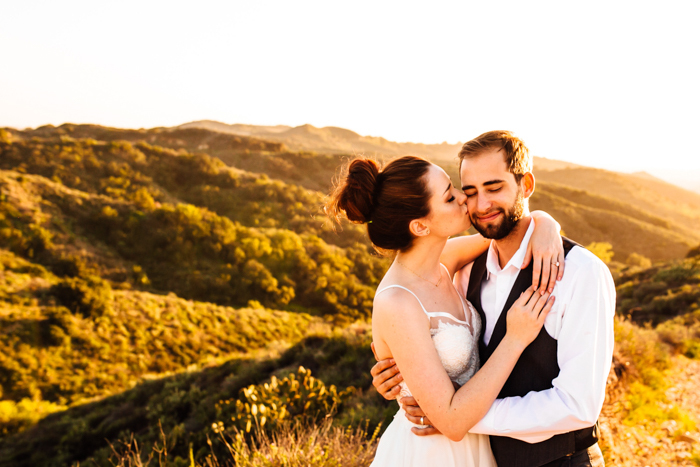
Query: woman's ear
<point x="419" y="228"/>
<point x="528" y="184"/>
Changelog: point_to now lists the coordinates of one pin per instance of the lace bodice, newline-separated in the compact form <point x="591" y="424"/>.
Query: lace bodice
<point x="456" y="341"/>
<point x="458" y="349"/>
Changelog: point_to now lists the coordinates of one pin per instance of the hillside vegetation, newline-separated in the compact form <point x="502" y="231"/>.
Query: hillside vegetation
<point x="119" y="208"/>
<point x="158" y="301"/>
<point x="195" y="405"/>
<point x="681" y="208"/>
<point x="223" y="410"/>
<point x="69" y="339"/>
<point x="589" y="218"/>
<point x="654" y="219"/>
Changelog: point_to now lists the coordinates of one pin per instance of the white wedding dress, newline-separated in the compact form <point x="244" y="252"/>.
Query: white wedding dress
<point x="456" y="342"/>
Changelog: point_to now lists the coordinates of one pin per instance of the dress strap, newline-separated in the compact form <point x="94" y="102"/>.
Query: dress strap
<point x="407" y="290"/>
<point x="441" y="314"/>
<point x="446" y="270"/>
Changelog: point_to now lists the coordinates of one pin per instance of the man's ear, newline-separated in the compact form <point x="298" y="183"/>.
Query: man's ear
<point x="418" y="228"/>
<point x="528" y="184"/>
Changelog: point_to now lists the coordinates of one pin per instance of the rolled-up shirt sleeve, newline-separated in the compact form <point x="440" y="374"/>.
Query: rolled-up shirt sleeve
<point x="583" y="328"/>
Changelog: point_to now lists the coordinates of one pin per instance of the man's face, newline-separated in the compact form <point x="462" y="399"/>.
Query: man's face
<point x="495" y="201"/>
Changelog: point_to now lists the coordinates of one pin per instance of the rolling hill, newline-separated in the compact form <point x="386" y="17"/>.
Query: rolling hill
<point x="636" y="214"/>
<point x="666" y="201"/>
<point x="330" y="140"/>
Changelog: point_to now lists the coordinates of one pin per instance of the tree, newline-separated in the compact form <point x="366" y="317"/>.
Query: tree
<point x="5" y="136"/>
<point x="602" y="250"/>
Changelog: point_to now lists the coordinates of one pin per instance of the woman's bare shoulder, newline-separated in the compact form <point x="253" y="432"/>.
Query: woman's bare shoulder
<point x="396" y="303"/>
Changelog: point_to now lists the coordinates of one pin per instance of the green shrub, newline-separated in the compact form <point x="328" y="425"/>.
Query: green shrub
<point x="636" y="259"/>
<point x="90" y="296"/>
<point x="691" y="348"/>
<point x="298" y="396"/>
<point x="15" y="416"/>
<point x="5" y="136"/>
<point x="680" y="273"/>
<point x="694" y="252"/>
<point x="69" y="266"/>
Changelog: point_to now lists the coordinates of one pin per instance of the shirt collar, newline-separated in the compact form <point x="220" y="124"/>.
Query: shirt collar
<point x="492" y="264"/>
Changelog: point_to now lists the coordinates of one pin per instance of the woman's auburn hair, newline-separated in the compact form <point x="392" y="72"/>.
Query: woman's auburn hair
<point x="387" y="199"/>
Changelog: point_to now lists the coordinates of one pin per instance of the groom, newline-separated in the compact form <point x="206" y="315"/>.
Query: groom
<point x="547" y="410"/>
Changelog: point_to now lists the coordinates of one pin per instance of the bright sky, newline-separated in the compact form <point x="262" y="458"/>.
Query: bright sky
<point x="610" y="84"/>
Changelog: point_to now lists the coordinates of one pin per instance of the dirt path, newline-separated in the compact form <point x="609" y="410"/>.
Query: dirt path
<point x="662" y="445"/>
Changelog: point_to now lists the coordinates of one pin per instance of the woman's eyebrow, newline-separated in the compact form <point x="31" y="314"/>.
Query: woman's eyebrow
<point x="448" y="187"/>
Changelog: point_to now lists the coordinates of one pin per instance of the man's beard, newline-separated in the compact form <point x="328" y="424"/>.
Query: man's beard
<point x="510" y="220"/>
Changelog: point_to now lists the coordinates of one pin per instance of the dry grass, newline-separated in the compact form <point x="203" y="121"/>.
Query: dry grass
<point x="294" y="445"/>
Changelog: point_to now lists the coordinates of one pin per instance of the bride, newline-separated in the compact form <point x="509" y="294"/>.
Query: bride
<point x="419" y="319"/>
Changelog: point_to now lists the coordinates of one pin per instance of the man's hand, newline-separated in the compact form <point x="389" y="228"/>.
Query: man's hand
<point x="414" y="414"/>
<point x="386" y="377"/>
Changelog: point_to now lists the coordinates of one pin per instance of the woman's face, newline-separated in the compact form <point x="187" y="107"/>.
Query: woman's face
<point x="448" y="209"/>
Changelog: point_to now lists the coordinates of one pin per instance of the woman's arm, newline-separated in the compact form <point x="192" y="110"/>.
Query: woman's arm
<point x="545" y="247"/>
<point x="406" y="334"/>
<point x="460" y="251"/>
<point x="546" y="251"/>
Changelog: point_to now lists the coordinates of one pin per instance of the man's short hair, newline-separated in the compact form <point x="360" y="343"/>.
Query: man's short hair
<point x="516" y="154"/>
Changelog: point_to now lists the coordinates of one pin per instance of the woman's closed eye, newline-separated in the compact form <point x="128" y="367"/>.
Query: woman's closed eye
<point x="452" y="198"/>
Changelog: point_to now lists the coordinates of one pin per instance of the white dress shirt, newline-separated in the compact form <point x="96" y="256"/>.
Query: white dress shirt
<point x="581" y="321"/>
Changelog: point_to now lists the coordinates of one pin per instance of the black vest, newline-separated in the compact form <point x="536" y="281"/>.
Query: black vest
<point x="534" y="371"/>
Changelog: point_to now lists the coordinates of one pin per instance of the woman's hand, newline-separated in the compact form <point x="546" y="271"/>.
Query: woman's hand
<point x="546" y="251"/>
<point x="526" y="317"/>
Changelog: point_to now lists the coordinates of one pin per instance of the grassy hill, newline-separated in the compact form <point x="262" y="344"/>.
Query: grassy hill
<point x="192" y="412"/>
<point x="185" y="138"/>
<point x="122" y="210"/>
<point x="63" y="343"/>
<point x="107" y="244"/>
<point x="588" y="218"/>
<point x="635" y="214"/>
<point x="678" y="206"/>
<point x="189" y="405"/>
<point x="307" y="169"/>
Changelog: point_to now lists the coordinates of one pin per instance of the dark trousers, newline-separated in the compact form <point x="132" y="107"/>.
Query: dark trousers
<point x="590" y="457"/>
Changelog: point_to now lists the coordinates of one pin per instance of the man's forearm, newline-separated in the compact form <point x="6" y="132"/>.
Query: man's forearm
<point x="551" y="417"/>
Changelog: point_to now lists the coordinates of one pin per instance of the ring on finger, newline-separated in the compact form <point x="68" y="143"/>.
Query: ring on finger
<point x="555" y="263"/>
<point x="421" y="421"/>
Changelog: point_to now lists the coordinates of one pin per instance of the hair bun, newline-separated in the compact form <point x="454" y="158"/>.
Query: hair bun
<point x="390" y="199"/>
<point x="357" y="199"/>
<point x="353" y="196"/>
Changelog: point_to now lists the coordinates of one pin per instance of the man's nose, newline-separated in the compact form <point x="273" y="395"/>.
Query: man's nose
<point x="483" y="203"/>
